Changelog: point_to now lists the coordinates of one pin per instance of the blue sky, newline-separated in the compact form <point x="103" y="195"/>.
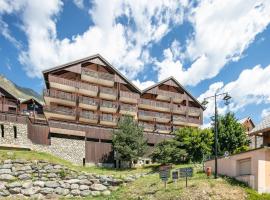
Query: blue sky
<point x="207" y="46"/>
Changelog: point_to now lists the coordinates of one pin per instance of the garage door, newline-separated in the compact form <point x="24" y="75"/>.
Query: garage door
<point x="245" y="167"/>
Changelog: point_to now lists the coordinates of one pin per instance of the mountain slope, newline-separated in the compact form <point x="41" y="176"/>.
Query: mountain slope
<point x="21" y="93"/>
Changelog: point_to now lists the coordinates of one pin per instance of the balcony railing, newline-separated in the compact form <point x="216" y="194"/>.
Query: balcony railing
<point x="179" y="118"/>
<point x="194" y="111"/>
<point x="108" y="104"/>
<point x="59" y="95"/>
<point x="129" y="95"/>
<point x="170" y="94"/>
<point x="154" y="114"/>
<point x="163" y="127"/>
<point x="59" y="110"/>
<point x="194" y="120"/>
<point x="89" y="115"/>
<point x="68" y="126"/>
<point x="154" y="103"/>
<point x="108" y="118"/>
<point x="128" y="107"/>
<point x="147" y="126"/>
<point x="98" y="75"/>
<point x="88" y="101"/>
<point x="179" y="109"/>
<point x="72" y="83"/>
<point x="107" y="90"/>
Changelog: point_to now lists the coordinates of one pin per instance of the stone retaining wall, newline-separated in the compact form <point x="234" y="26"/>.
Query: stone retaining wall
<point x="68" y="149"/>
<point x="39" y="180"/>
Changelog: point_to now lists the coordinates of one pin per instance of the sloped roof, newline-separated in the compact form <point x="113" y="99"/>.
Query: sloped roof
<point x="242" y="121"/>
<point x="88" y="59"/>
<point x="263" y="126"/>
<point x="177" y="83"/>
<point x="33" y="99"/>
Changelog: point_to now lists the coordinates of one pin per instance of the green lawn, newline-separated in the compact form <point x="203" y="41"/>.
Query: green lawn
<point x="151" y="187"/>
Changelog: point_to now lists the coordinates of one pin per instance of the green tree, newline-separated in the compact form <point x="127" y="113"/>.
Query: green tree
<point x="128" y="140"/>
<point x="196" y="142"/>
<point x="168" y="152"/>
<point x="231" y="135"/>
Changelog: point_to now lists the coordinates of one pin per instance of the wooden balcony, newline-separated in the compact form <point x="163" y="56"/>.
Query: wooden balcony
<point x="195" y="112"/>
<point x="194" y="122"/>
<point x="98" y="77"/>
<point x="59" y="112"/>
<point x="154" y="116"/>
<point x="59" y="97"/>
<point x="128" y="109"/>
<point x="107" y="93"/>
<point x="66" y="128"/>
<point x="88" y="117"/>
<point x="179" y="109"/>
<point x="108" y="106"/>
<point x="88" y="103"/>
<point x="129" y="97"/>
<point x="72" y="86"/>
<point x="168" y="95"/>
<point x="154" y="105"/>
<point x="108" y="120"/>
<point x="163" y="128"/>
<point x="147" y="126"/>
<point x="179" y="120"/>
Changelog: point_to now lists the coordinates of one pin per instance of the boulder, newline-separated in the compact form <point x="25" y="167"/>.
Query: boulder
<point x="98" y="187"/>
<point x="24" y="177"/>
<point x="106" y="193"/>
<point x="74" y="186"/>
<point x="85" y="193"/>
<point x="75" y="192"/>
<point x="6" y="177"/>
<point x="95" y="193"/>
<point x="30" y="191"/>
<point x="6" y="166"/>
<point x="14" y="184"/>
<point x="15" y="190"/>
<point x="52" y="184"/>
<point x="5" y="171"/>
<point x="46" y="191"/>
<point x="27" y="185"/>
<point x="39" y="183"/>
<point x="62" y="191"/>
<point x="4" y="193"/>
<point x="84" y="187"/>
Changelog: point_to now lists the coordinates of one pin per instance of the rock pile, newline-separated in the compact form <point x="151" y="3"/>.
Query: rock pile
<point x="40" y="179"/>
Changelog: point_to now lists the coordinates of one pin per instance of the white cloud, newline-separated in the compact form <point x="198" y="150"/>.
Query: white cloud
<point x="251" y="87"/>
<point x="79" y="3"/>
<point x="125" y="44"/>
<point x="223" y="30"/>
<point x="265" y="112"/>
<point x="144" y="84"/>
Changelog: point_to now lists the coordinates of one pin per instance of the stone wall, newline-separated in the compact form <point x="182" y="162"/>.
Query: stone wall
<point x="39" y="180"/>
<point x="68" y="149"/>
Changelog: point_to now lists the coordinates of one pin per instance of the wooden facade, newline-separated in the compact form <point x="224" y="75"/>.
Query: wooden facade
<point x="86" y="98"/>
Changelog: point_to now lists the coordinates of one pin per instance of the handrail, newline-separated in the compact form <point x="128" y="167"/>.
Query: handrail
<point x="154" y="114"/>
<point x="108" y="90"/>
<point x="60" y="110"/>
<point x="89" y="115"/>
<point x="108" y="117"/>
<point x="59" y="94"/>
<point x="154" y="103"/>
<point x="88" y="100"/>
<point x="170" y="94"/>
<point x="177" y="117"/>
<point x="100" y="75"/>
<point x="129" y="94"/>
<point x="108" y="104"/>
<point x="128" y="107"/>
<point x="163" y="127"/>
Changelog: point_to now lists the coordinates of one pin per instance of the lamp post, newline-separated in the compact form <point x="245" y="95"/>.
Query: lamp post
<point x="226" y="98"/>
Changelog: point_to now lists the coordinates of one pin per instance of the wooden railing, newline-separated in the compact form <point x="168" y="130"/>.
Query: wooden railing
<point x="154" y="114"/>
<point x="170" y="94"/>
<point x="194" y="110"/>
<point x="163" y="127"/>
<point x="59" y="110"/>
<point x="194" y="120"/>
<point x="59" y="94"/>
<point x="88" y="100"/>
<point x="154" y="103"/>
<point x="72" y="83"/>
<point x="128" y="107"/>
<point x="130" y="95"/>
<point x="99" y="75"/>
<point x="107" y="90"/>
<point x="177" y="108"/>
<point x="108" y="104"/>
<point x="108" y="117"/>
<point x="179" y="118"/>
<point x="89" y="115"/>
<point x="11" y="117"/>
<point x="64" y="125"/>
<point x="146" y="125"/>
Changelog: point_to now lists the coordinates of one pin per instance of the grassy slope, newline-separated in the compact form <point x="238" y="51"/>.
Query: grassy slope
<point x="150" y="187"/>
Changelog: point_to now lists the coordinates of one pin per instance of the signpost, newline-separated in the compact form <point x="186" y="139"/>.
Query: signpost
<point x="175" y="176"/>
<point x="165" y="173"/>
<point x="186" y="172"/>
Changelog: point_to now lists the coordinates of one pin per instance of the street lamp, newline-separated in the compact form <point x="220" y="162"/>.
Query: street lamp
<point x="226" y="98"/>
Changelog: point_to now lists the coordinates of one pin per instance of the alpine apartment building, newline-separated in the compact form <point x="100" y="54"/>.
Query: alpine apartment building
<point x="86" y="98"/>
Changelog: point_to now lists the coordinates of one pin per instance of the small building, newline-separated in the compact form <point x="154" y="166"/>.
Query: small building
<point x="251" y="167"/>
<point x="255" y="141"/>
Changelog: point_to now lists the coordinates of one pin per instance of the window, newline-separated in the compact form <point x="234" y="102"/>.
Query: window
<point x="244" y="167"/>
<point x="15" y="131"/>
<point x="2" y="130"/>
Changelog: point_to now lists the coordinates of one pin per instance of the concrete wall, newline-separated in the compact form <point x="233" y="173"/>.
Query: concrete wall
<point x="68" y="149"/>
<point x="259" y="178"/>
